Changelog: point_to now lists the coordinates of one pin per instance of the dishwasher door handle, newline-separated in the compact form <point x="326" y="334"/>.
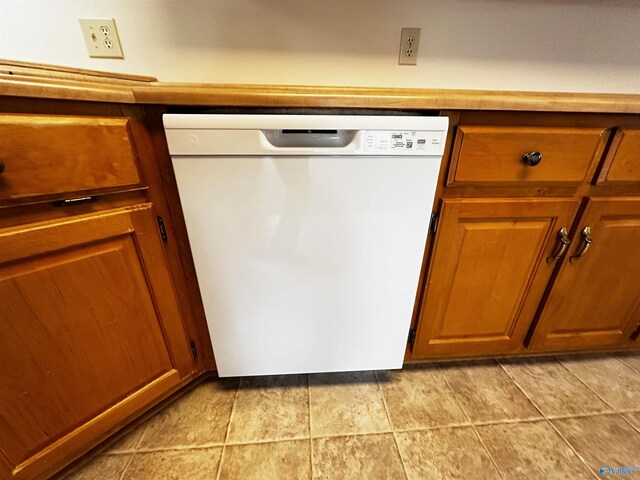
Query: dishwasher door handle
<point x="309" y="138"/>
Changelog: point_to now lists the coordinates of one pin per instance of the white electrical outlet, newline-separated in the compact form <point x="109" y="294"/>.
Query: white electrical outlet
<point x="101" y="37"/>
<point x="409" y="42"/>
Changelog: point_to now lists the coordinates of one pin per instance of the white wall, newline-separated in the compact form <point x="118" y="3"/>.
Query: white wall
<point x="562" y="45"/>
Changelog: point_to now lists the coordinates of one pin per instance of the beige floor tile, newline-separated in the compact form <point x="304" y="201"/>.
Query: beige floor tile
<point x="486" y="392"/>
<point x="615" y="382"/>
<point x="553" y="388"/>
<point x="263" y="461"/>
<point x="634" y="418"/>
<point x="199" y="418"/>
<point x="532" y="450"/>
<point x="370" y="457"/>
<point x="270" y="408"/>
<point x="602" y="440"/>
<point x="128" y="442"/>
<point x="445" y="454"/>
<point x="419" y="397"/>
<point x="199" y="464"/>
<point x="346" y="404"/>
<point x="631" y="359"/>
<point x="102" y="467"/>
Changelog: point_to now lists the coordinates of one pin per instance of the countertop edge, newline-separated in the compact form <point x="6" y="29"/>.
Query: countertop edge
<point x="30" y="80"/>
<point x="94" y="92"/>
<point x="385" y="98"/>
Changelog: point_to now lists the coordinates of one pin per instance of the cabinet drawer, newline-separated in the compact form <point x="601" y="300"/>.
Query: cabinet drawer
<point x="50" y="155"/>
<point x="622" y="164"/>
<point x="494" y="155"/>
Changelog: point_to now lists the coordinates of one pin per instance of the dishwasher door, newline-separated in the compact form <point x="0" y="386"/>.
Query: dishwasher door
<point x="307" y="263"/>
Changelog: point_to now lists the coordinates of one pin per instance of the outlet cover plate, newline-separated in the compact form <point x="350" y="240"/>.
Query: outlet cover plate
<point x="409" y="42"/>
<point x="101" y="37"/>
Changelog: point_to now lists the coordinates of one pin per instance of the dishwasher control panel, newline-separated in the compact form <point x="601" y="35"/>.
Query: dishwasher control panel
<point x="403" y="141"/>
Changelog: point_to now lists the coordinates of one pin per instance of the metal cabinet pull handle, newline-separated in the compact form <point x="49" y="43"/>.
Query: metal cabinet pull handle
<point x="532" y="158"/>
<point x="75" y="201"/>
<point x="586" y="236"/>
<point x="564" y="244"/>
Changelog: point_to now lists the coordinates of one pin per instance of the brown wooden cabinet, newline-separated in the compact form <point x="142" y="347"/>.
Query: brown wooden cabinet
<point x="96" y="325"/>
<point x="488" y="274"/>
<point x="595" y="301"/>
<point x="91" y="332"/>
<point x="491" y="286"/>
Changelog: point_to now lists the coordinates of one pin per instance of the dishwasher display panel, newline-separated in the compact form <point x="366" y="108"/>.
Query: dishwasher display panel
<point x="402" y="141"/>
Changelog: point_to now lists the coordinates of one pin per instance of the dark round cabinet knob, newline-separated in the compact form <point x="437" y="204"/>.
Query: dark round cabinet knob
<point x="1" y="166"/>
<point x="532" y="159"/>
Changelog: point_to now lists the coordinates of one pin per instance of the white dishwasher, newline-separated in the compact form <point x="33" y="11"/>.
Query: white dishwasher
<point x="307" y="234"/>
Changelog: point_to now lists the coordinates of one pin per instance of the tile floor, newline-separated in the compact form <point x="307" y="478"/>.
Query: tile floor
<point x="519" y="418"/>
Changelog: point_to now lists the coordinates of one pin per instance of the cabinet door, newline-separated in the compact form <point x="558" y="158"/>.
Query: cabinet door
<point x="488" y="274"/>
<point x="595" y="300"/>
<point x="91" y="333"/>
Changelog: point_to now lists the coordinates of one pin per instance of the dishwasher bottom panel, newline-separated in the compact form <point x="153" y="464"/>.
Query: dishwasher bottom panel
<point x="307" y="264"/>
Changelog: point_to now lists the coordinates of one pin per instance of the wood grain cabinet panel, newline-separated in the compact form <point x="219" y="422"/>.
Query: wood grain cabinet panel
<point x="46" y="155"/>
<point x="488" y="274"/>
<point x="595" y="301"/>
<point x="494" y="155"/>
<point x="622" y="164"/>
<point x="90" y="330"/>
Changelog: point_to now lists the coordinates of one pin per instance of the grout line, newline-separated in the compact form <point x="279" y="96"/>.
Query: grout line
<point x="510" y="421"/>
<point x="471" y="424"/>
<point x="135" y="448"/>
<point x="535" y="405"/>
<point x="455" y="397"/>
<point x="581" y="415"/>
<point x="587" y="386"/>
<point x="384" y="402"/>
<point x="486" y="449"/>
<point x="545" y="417"/>
<point x="475" y="430"/>
<point x="224" y="448"/>
<point x="393" y="432"/>
<point x="625" y="363"/>
<point x="360" y="434"/>
<point x="126" y="467"/>
<point x="309" y="411"/>
<point x="636" y="428"/>
<point x="347" y="434"/>
<point x="267" y="440"/>
<point x="201" y="446"/>
<point x="109" y="451"/>
<point x="226" y="434"/>
<point x="144" y="432"/>
<point x="548" y="421"/>
<point x="572" y="448"/>
<point x="341" y="435"/>
<point x="233" y="409"/>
